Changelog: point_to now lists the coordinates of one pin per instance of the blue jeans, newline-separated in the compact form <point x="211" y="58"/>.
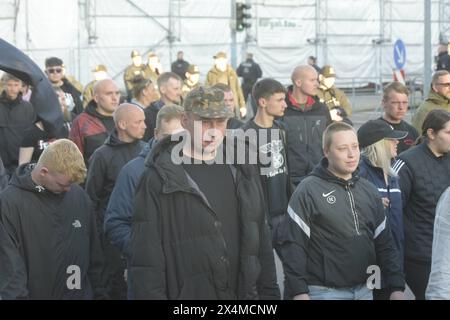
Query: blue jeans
<point x="360" y="292"/>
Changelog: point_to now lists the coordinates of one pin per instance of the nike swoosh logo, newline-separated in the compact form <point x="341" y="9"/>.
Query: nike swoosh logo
<point x="326" y="195"/>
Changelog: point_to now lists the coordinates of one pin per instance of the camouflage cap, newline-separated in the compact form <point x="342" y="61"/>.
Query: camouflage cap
<point x="135" y="53"/>
<point x="192" y="69"/>
<point x="328" y="71"/>
<point x="207" y="102"/>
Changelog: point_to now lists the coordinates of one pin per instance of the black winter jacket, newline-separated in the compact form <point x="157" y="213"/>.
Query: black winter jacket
<point x="178" y="249"/>
<point x="15" y="117"/>
<point x="304" y="131"/>
<point x="423" y="178"/>
<point x="336" y="230"/>
<point x="3" y="176"/>
<point x="90" y="130"/>
<point x="54" y="237"/>
<point x="151" y="113"/>
<point x="104" y="167"/>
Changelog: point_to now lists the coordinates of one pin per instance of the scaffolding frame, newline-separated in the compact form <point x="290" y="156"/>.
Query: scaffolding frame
<point x="320" y="43"/>
<point x="444" y="21"/>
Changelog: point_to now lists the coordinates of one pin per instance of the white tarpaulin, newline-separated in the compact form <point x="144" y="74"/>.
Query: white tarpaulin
<point x="354" y="36"/>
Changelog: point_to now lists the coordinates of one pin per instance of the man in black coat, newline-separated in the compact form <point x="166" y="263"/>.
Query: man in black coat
<point x="169" y="86"/>
<point x="443" y="58"/>
<point x="180" y="65"/>
<point x="3" y="176"/>
<point x="305" y="121"/>
<point x="50" y="239"/>
<point x="123" y="145"/>
<point x="199" y="229"/>
<point x="250" y="72"/>
<point x="16" y="116"/>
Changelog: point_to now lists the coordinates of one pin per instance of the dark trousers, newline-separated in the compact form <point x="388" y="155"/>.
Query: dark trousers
<point x="114" y="269"/>
<point x="417" y="274"/>
<point x="247" y="90"/>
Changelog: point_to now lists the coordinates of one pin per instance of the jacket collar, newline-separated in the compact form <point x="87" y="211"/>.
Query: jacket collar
<point x="424" y="146"/>
<point x="321" y="171"/>
<point x="436" y="98"/>
<point x="173" y="175"/>
<point x="297" y="106"/>
<point x="10" y="103"/>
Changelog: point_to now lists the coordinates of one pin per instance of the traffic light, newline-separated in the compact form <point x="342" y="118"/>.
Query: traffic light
<point x="242" y="16"/>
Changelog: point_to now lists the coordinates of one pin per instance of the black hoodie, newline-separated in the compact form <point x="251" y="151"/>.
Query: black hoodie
<point x="104" y="167"/>
<point x="90" y="130"/>
<point x="55" y="237"/>
<point x="15" y="117"/>
<point x="337" y="229"/>
<point x="304" y="129"/>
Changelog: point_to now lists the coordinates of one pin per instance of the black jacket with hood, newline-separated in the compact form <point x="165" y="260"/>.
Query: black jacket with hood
<point x="90" y="130"/>
<point x="54" y="240"/>
<point x="304" y="129"/>
<point x="177" y="243"/>
<point x="336" y="230"/>
<point x="104" y="167"/>
<point x="15" y="117"/>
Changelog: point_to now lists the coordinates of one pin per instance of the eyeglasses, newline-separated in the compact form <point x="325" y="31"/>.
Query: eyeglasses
<point x="54" y="70"/>
<point x="447" y="84"/>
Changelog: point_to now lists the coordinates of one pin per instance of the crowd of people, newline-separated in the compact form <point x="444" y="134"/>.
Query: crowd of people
<point x="171" y="191"/>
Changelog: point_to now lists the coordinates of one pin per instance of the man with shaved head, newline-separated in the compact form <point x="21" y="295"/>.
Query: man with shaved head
<point x="305" y="119"/>
<point x="91" y="128"/>
<point x="122" y="145"/>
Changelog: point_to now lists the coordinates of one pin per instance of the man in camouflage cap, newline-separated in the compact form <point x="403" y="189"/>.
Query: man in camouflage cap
<point x="213" y="211"/>
<point x="207" y="102"/>
<point x="205" y="118"/>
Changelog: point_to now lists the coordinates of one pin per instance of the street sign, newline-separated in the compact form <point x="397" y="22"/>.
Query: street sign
<point x="399" y="54"/>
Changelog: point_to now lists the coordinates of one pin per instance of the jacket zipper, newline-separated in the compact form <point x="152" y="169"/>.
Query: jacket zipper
<point x="205" y="202"/>
<point x="353" y="207"/>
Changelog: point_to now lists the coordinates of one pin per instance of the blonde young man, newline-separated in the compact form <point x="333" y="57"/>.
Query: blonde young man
<point x="56" y="252"/>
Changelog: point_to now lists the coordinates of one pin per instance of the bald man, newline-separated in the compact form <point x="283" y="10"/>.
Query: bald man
<point x="122" y="145"/>
<point x="91" y="128"/>
<point x="305" y="120"/>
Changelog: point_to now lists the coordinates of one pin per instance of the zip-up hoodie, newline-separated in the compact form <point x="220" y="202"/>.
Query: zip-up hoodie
<point x="304" y="127"/>
<point x="104" y="167"/>
<point x="55" y="237"/>
<point x="90" y="130"/>
<point x="337" y="229"/>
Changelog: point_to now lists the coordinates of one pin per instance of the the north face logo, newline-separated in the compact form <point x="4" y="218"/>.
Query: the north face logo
<point x="76" y="224"/>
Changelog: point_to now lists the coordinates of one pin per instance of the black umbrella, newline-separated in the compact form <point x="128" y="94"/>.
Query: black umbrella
<point x="43" y="97"/>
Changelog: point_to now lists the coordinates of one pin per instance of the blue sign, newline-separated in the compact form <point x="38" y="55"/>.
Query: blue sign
<point x="399" y="54"/>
